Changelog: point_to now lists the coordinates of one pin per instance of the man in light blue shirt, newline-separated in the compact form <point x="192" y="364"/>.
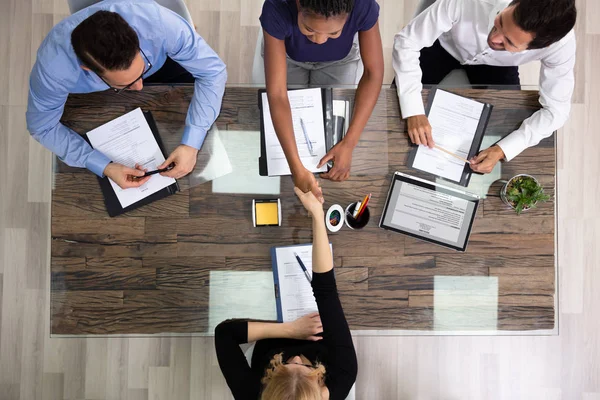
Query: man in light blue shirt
<point x="116" y="44"/>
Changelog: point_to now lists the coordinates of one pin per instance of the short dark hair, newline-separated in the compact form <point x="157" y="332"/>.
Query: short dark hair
<point x="327" y="8"/>
<point x="548" y="20"/>
<point x="105" y="41"/>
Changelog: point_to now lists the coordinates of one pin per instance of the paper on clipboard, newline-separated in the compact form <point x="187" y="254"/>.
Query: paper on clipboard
<point x="454" y="120"/>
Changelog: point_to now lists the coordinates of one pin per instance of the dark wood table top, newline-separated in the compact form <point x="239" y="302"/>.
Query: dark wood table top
<point x="149" y="271"/>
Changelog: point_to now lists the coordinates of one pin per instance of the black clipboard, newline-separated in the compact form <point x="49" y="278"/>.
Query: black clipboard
<point x="328" y="123"/>
<point x="475" y="145"/>
<point x="113" y="206"/>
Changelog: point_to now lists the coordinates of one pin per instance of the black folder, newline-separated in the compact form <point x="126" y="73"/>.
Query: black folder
<point x="332" y="127"/>
<point x="113" y="206"/>
<point x="475" y="146"/>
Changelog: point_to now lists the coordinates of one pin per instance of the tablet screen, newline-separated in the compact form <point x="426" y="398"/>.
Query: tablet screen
<point x="430" y="212"/>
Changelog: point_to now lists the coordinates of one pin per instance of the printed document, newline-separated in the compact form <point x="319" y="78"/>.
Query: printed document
<point x="306" y="104"/>
<point x="295" y="292"/>
<point x="429" y="213"/>
<point x="454" y="120"/>
<point x="129" y="140"/>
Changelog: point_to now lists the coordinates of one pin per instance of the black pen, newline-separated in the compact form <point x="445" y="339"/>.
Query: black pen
<point x="303" y="268"/>
<point x="158" y="171"/>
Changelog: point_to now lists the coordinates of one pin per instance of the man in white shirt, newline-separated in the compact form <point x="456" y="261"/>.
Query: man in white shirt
<point x="489" y="39"/>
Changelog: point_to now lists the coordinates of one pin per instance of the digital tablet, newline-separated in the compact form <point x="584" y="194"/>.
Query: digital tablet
<point x="429" y="211"/>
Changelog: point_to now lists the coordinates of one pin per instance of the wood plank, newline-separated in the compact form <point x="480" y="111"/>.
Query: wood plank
<point x="198" y="297"/>
<point x="493" y="261"/>
<point x="409" y="278"/>
<point x="425" y="298"/>
<point x="185" y="262"/>
<point x="525" y="318"/>
<point x="183" y="278"/>
<point x="490" y="244"/>
<point x="105" y="279"/>
<point x="69" y="248"/>
<point x="116" y="262"/>
<point x="524" y="280"/>
<point x="144" y="320"/>
<point x="67" y="299"/>
<point x="352" y="279"/>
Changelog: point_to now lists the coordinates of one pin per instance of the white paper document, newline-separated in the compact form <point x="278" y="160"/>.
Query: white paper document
<point x="129" y="140"/>
<point x="430" y="213"/>
<point x="295" y="291"/>
<point x="306" y="104"/>
<point x="454" y="120"/>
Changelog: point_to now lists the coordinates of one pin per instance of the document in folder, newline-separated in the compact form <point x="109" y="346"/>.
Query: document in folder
<point x="294" y="294"/>
<point x="306" y="104"/>
<point x="129" y="140"/>
<point x="454" y="121"/>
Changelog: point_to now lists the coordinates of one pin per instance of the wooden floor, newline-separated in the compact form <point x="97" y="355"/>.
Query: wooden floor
<point x="33" y="366"/>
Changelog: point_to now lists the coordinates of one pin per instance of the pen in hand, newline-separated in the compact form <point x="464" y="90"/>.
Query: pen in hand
<point x="158" y="171"/>
<point x="303" y="268"/>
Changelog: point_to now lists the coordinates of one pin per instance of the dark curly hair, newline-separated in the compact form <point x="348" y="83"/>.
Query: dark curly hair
<point x="105" y="41"/>
<point x="327" y="8"/>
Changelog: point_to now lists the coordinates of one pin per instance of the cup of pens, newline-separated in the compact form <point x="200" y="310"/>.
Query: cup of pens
<point x="357" y="214"/>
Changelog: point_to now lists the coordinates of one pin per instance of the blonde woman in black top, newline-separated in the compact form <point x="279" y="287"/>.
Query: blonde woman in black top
<point x="312" y="358"/>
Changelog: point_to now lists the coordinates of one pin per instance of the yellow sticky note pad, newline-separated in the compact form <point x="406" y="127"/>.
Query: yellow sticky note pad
<point x="266" y="212"/>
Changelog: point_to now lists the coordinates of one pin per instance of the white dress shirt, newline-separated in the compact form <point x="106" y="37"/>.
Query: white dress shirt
<point x="462" y="27"/>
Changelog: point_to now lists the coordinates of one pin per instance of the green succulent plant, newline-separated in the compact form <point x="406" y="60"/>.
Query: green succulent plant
<point x="524" y="193"/>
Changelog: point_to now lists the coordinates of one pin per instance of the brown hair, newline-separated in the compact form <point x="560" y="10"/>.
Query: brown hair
<point x="282" y="383"/>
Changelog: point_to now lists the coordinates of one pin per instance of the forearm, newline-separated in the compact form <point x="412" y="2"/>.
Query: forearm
<point x="322" y="260"/>
<point x="204" y="108"/>
<point x="267" y="330"/>
<point x="281" y="115"/>
<point x="71" y="148"/>
<point x="365" y="100"/>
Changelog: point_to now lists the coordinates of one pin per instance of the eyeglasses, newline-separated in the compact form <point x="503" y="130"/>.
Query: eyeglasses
<point x="304" y="365"/>
<point x="146" y="69"/>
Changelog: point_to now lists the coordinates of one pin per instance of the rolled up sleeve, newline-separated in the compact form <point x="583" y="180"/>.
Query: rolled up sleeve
<point x="421" y="32"/>
<point x="557" y="82"/>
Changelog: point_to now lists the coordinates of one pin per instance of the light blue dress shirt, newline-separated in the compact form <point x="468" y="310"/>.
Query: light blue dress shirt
<point x="57" y="72"/>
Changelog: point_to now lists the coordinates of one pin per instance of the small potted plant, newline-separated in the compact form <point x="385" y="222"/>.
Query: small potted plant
<point x="523" y="192"/>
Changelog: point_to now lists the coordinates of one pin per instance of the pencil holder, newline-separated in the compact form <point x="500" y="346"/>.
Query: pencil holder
<point x="357" y="223"/>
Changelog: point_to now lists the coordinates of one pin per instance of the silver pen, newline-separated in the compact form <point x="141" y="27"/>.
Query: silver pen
<point x="308" y="142"/>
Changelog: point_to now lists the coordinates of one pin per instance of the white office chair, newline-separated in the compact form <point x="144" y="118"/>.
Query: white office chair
<point x="250" y="350"/>
<point x="457" y="77"/>
<point x="258" y="64"/>
<point x="177" y="6"/>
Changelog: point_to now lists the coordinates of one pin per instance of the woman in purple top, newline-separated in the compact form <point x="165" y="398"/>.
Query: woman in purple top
<point x="313" y="42"/>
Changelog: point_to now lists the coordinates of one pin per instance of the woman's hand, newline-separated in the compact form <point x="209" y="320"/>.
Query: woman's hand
<point x="306" y="328"/>
<point x="310" y="202"/>
<point x="341" y="154"/>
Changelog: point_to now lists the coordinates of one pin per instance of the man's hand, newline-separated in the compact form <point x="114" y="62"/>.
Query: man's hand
<point x="485" y="161"/>
<point x="419" y="130"/>
<point x="306" y="181"/>
<point x="341" y="154"/>
<point x="305" y="328"/>
<point x="126" y="177"/>
<point x="184" y="158"/>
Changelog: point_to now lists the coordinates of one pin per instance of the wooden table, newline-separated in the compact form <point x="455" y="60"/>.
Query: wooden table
<point x="149" y="271"/>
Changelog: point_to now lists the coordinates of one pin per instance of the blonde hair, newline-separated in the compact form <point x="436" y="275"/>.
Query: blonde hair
<point x="282" y="383"/>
